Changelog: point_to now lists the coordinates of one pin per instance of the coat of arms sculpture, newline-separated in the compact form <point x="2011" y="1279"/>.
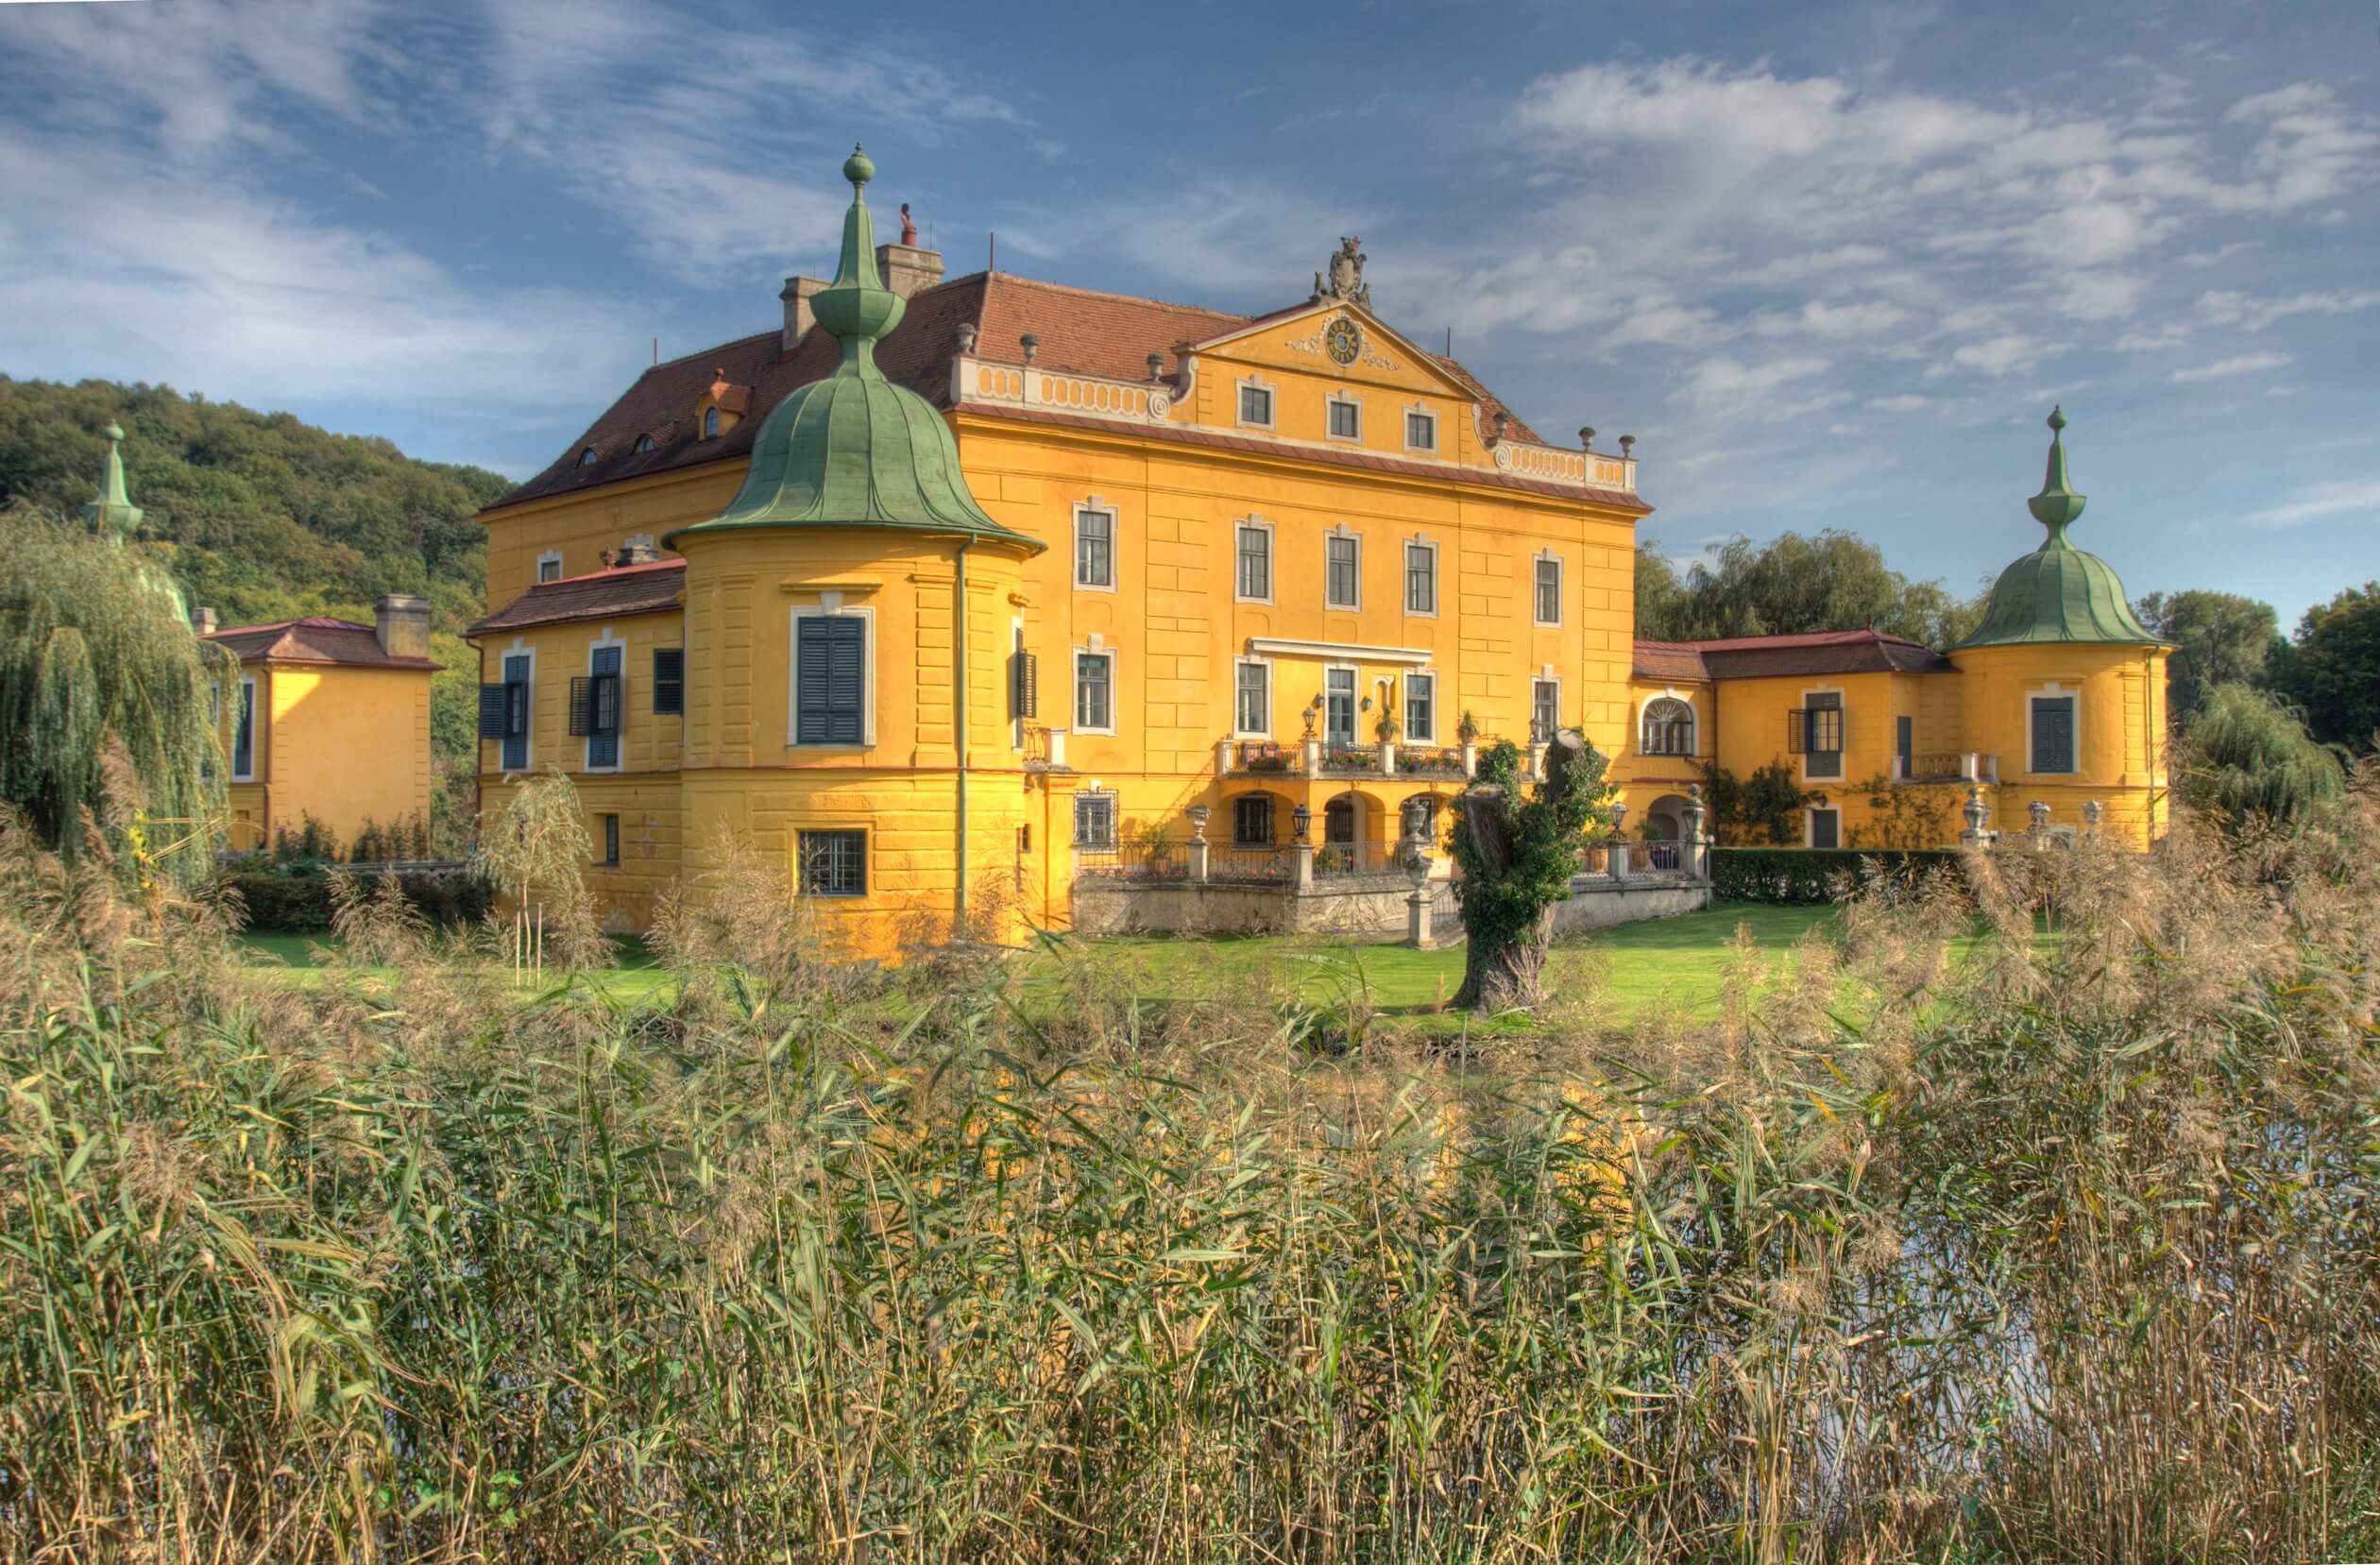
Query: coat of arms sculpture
<point x="1345" y="277"/>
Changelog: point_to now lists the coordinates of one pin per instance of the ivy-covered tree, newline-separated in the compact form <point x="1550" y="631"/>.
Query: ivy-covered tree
<point x="1517" y="854"/>
<point x="99" y="672"/>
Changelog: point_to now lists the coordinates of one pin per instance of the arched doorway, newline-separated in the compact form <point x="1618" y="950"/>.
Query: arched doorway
<point x="1665" y="820"/>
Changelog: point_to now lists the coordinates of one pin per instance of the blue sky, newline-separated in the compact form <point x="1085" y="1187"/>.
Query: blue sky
<point x="1829" y="262"/>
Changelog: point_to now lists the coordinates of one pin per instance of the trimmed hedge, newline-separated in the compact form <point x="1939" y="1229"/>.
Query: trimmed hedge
<point x="301" y="904"/>
<point x="1808" y="874"/>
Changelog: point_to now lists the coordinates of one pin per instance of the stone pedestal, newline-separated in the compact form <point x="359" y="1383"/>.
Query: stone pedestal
<point x="1387" y="757"/>
<point x="1470" y="758"/>
<point x="1311" y="755"/>
<point x="1303" y="855"/>
<point x="1198" y="859"/>
<point x="1418" y="933"/>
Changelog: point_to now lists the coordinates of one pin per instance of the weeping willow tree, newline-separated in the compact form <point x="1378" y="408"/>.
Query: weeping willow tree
<point x="103" y="692"/>
<point x="2251" y="759"/>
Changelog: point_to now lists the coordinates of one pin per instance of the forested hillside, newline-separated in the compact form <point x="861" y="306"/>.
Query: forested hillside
<point x="265" y="517"/>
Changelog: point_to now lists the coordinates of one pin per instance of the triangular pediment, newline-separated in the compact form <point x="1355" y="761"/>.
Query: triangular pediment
<point x="1302" y="339"/>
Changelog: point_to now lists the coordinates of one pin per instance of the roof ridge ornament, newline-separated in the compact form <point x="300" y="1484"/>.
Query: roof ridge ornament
<point x="1343" y="279"/>
<point x="111" y="513"/>
<point x="2057" y="507"/>
<point x="857" y="308"/>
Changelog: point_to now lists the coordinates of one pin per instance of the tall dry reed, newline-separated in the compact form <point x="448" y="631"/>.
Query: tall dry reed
<point x="2067" y="1249"/>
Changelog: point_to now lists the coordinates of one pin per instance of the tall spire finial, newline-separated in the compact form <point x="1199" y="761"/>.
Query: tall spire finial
<point x="111" y="513"/>
<point x="857" y="307"/>
<point x="2057" y="505"/>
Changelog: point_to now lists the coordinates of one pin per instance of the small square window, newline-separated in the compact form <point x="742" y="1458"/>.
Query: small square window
<point x="1421" y="432"/>
<point x="548" y="567"/>
<point x="1255" y="405"/>
<point x="1346" y="419"/>
<point x="1095" y="821"/>
<point x="833" y="863"/>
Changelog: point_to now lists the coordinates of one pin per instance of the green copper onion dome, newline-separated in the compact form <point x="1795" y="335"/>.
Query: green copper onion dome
<point x="111" y="513"/>
<point x="853" y="449"/>
<point x="2058" y="593"/>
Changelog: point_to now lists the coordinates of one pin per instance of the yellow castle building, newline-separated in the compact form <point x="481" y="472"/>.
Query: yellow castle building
<point x="950" y="590"/>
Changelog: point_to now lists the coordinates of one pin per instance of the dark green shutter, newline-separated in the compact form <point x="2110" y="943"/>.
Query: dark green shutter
<point x="831" y="658"/>
<point x="2053" y="735"/>
<point x="669" y="680"/>
<point x="582" y="705"/>
<point x="492" y="711"/>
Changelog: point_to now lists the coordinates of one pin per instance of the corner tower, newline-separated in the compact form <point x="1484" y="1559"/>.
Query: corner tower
<point x="850" y="616"/>
<point x="2062" y="682"/>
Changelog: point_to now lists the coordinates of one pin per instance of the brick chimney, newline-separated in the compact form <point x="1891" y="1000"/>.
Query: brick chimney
<point x="908" y="270"/>
<point x="796" y="296"/>
<point x="203" y="622"/>
<point x="401" y="623"/>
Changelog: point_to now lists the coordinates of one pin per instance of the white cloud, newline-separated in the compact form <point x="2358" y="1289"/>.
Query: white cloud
<point x="2224" y="308"/>
<point x="2098" y="295"/>
<point x="1906" y="403"/>
<point x="2000" y="355"/>
<point x="2245" y="364"/>
<point x="1787" y="269"/>
<point x="1817" y="318"/>
<point x="1722" y="381"/>
<point x="2319" y="501"/>
<point x="2167" y="334"/>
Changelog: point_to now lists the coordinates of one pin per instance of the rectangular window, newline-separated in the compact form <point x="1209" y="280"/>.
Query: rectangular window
<point x="1421" y="578"/>
<point x="1420" y="713"/>
<point x="669" y="680"/>
<point x="1253" y="820"/>
<point x="2053" y="733"/>
<point x="1546" y="710"/>
<point x="831" y="668"/>
<point x="1548" y="591"/>
<point x="1095" y="692"/>
<point x="1346" y="419"/>
<point x="1342" y="582"/>
<point x="1905" y="742"/>
<point x="1826" y="829"/>
<point x="1095" y="821"/>
<point x="243" y="734"/>
<point x="1338" y="705"/>
<point x="1421" y="432"/>
<point x="1253" y="713"/>
<point x="1815" y="732"/>
<point x="833" y="863"/>
<point x="548" y="567"/>
<point x="1255" y="563"/>
<point x="611" y="841"/>
<point x="515" y="735"/>
<point x="1255" y="405"/>
<point x="595" y="706"/>
<point x="1095" y="548"/>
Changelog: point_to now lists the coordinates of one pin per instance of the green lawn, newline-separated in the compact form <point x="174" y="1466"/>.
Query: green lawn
<point x="292" y="959"/>
<point x="1669" y="962"/>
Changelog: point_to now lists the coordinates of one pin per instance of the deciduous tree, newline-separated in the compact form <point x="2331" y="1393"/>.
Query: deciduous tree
<point x="2219" y="639"/>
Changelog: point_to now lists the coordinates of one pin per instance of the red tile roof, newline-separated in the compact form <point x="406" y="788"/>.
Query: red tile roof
<point x="598" y="595"/>
<point x="1806" y="652"/>
<point x="318" y="639"/>
<point x="1079" y="329"/>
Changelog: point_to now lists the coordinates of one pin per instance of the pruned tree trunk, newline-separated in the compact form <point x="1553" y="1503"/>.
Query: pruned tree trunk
<point x="1507" y="976"/>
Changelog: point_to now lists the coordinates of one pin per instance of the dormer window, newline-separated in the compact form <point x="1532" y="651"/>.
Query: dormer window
<point x="711" y="423"/>
<point x="644" y="443"/>
<point x="587" y="458"/>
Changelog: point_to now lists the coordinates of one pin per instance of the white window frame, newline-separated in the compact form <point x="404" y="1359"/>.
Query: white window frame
<point x="1693" y="725"/>
<point x="1016" y="651"/>
<point x="713" y="426"/>
<point x="1272" y="402"/>
<point x="528" y="713"/>
<point x="1333" y="402"/>
<point x="1343" y="531"/>
<point x="1115" y="821"/>
<point x="552" y="557"/>
<point x="1272" y="559"/>
<point x="830" y="605"/>
<point x="1404" y="705"/>
<point x="1810" y="820"/>
<point x="1545" y="677"/>
<point x="1843" y="756"/>
<point x="1354" y="703"/>
<point x="1405" y="579"/>
<point x="1418" y="410"/>
<point x="1097" y="648"/>
<point x="1239" y="730"/>
<point x="256" y="730"/>
<point x="1562" y="588"/>
<point x="2053" y="691"/>
<point x="587" y="743"/>
<point x="1093" y="506"/>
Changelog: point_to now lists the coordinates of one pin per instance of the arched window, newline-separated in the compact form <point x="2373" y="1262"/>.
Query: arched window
<point x="1669" y="728"/>
<point x="644" y="443"/>
<point x="711" y="423"/>
<point x="1338" y="820"/>
<point x="587" y="458"/>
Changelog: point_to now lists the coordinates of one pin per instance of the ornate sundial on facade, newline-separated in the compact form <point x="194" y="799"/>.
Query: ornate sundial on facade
<point x="1343" y="340"/>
